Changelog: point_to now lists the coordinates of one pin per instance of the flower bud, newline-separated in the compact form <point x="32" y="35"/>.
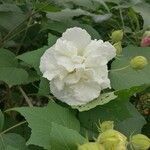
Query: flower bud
<point x="112" y="140"/>
<point x="145" y="42"/>
<point x="138" y="62"/>
<point x="106" y="125"/>
<point x="118" y="48"/>
<point x="140" y="142"/>
<point x="117" y="36"/>
<point x="146" y="34"/>
<point x="91" y="146"/>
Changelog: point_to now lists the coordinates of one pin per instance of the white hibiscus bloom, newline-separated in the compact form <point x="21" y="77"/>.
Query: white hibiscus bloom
<point x="76" y="66"/>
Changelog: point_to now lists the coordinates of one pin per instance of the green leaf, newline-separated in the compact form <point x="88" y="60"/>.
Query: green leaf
<point x="101" y="100"/>
<point x="144" y="10"/>
<point x="10" y="16"/>
<point x="12" y="140"/>
<point x="11" y="148"/>
<point x="129" y="77"/>
<point x="9" y="71"/>
<point x="40" y="121"/>
<point x="13" y="76"/>
<point x="132" y="124"/>
<point x="67" y="14"/>
<point x="7" y="58"/>
<point x="32" y="76"/>
<point x="51" y="39"/>
<point x="60" y="27"/>
<point x="119" y="110"/>
<point x="64" y="138"/>
<point x="44" y="87"/>
<point x="88" y="4"/>
<point x="1" y="120"/>
<point x="45" y="6"/>
<point x="33" y="58"/>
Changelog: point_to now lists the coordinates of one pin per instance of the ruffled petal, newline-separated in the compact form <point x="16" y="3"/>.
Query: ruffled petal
<point x="100" y="48"/>
<point x="65" y="48"/>
<point x="64" y="95"/>
<point x="90" y="91"/>
<point x="48" y="65"/>
<point x="79" y="37"/>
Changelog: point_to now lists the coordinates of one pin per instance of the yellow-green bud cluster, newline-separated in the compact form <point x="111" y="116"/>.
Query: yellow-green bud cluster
<point x="116" y="38"/>
<point x="110" y="139"/>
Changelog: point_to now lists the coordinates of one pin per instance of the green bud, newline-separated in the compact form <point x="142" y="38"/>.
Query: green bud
<point x="106" y="125"/>
<point x="117" y="36"/>
<point x="112" y="140"/>
<point x="91" y="146"/>
<point x="118" y="48"/>
<point x="140" y="142"/>
<point x="146" y="34"/>
<point x="138" y="62"/>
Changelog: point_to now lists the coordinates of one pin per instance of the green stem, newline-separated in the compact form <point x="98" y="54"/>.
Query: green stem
<point x="25" y="97"/>
<point x="23" y="122"/>
<point x="119" y="69"/>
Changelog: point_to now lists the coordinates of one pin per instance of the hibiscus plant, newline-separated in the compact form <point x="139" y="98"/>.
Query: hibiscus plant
<point x="74" y="75"/>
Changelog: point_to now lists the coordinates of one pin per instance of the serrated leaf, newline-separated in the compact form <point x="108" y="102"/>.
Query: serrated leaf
<point x="101" y="100"/>
<point x="133" y="124"/>
<point x="64" y="138"/>
<point x="12" y="140"/>
<point x="1" y="121"/>
<point x="40" y="121"/>
<point x="33" y="58"/>
<point x="129" y="77"/>
<point x="13" y="76"/>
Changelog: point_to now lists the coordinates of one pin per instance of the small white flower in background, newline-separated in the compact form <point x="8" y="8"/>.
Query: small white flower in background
<point x="76" y="66"/>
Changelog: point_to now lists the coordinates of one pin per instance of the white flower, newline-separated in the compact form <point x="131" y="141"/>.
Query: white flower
<point x="76" y="66"/>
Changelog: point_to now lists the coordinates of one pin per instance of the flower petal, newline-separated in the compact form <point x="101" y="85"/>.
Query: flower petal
<point x="100" y="48"/>
<point x="78" y="36"/>
<point x="48" y="65"/>
<point x="90" y="91"/>
<point x="65" y="48"/>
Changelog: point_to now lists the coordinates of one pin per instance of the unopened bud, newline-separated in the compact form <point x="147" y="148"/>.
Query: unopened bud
<point x="112" y="140"/>
<point x="140" y="142"/>
<point x="138" y="62"/>
<point x="146" y="34"/>
<point x="118" y="48"/>
<point x="106" y="125"/>
<point x="117" y="36"/>
<point x="145" y="42"/>
<point x="91" y="146"/>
